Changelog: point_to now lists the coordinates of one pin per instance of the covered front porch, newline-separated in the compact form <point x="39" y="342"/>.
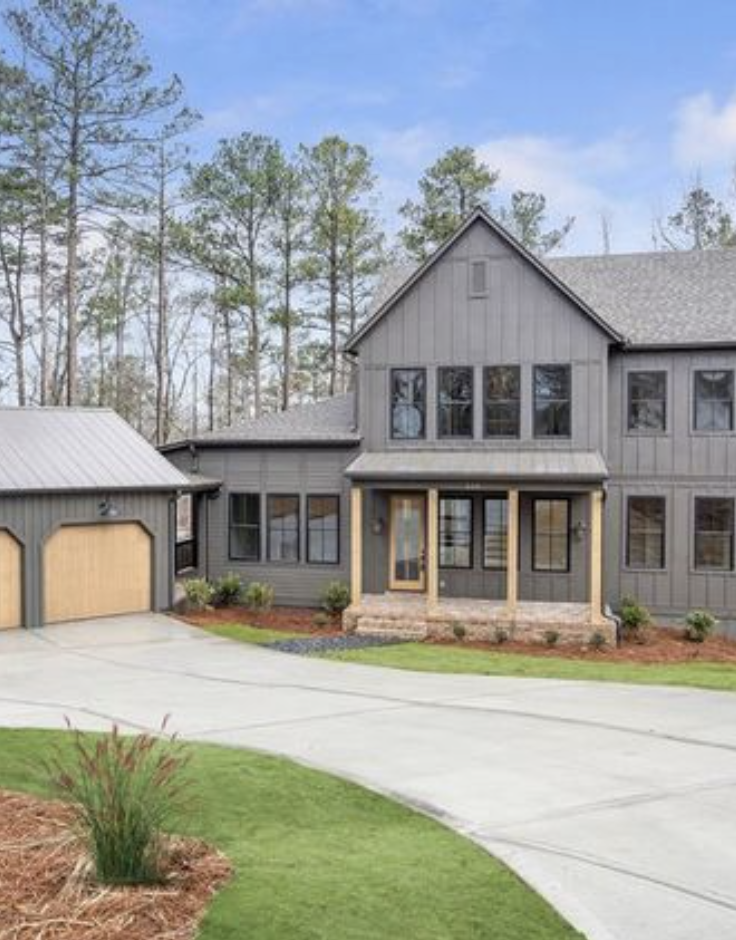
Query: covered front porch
<point x="490" y="558"/>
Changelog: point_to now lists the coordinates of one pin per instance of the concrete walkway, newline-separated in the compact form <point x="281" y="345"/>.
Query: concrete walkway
<point x="618" y="803"/>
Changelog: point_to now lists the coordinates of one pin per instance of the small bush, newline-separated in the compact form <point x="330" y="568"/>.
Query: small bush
<point x="551" y="637"/>
<point x="259" y="595"/>
<point x="634" y="618"/>
<point x="336" y="597"/>
<point x="199" y="593"/>
<point x="500" y="636"/>
<point x="227" y="590"/>
<point x="699" y="624"/>
<point x="321" y="620"/>
<point x="597" y="641"/>
<point x="459" y="631"/>
<point x="125" y="792"/>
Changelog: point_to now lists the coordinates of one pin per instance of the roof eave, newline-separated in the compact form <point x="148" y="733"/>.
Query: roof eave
<point x="255" y="443"/>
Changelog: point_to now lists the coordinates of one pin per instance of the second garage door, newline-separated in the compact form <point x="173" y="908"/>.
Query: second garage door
<point x="10" y="581"/>
<point x="97" y="571"/>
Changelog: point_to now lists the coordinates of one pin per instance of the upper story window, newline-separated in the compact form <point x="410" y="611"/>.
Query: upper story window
<point x="456" y="532"/>
<point x="647" y="408"/>
<point x="408" y="404"/>
<point x="502" y="386"/>
<point x="713" y="400"/>
<point x="245" y="526"/>
<point x="645" y="533"/>
<point x="323" y="530"/>
<point x="283" y="528"/>
<point x="455" y="402"/>
<point x="713" y="533"/>
<point x="478" y="275"/>
<point x="552" y="401"/>
<point x="495" y="532"/>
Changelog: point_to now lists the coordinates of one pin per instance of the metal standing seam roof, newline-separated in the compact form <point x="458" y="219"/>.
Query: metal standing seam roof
<point x="330" y="421"/>
<point x="76" y="449"/>
<point x="547" y="465"/>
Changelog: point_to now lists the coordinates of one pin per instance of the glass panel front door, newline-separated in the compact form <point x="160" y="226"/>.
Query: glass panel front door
<point x="407" y="543"/>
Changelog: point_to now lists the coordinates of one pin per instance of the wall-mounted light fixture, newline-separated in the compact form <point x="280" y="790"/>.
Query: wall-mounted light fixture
<point x="579" y="531"/>
<point x="108" y="510"/>
<point x="377" y="526"/>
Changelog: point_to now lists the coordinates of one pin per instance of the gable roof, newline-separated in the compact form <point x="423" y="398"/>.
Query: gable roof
<point x="477" y="215"/>
<point x="660" y="298"/>
<point x="76" y="449"/>
<point x="327" y="422"/>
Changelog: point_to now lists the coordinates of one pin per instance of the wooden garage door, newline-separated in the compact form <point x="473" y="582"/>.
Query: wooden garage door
<point x="97" y="571"/>
<point x="10" y="580"/>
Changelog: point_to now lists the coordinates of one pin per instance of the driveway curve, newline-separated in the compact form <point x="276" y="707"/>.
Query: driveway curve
<point x="617" y="803"/>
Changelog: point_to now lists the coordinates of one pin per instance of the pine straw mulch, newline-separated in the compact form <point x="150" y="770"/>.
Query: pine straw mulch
<point x="291" y="619"/>
<point x="658" y="645"/>
<point x="46" y="892"/>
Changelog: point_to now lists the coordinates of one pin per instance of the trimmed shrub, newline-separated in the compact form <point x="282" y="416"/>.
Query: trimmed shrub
<point x="597" y="641"/>
<point x="336" y="597"/>
<point x="199" y="593"/>
<point x="227" y="590"/>
<point x="125" y="791"/>
<point x="634" y="618"/>
<point x="321" y="620"/>
<point x="500" y="636"/>
<point x="699" y="624"/>
<point x="459" y="631"/>
<point x="551" y="637"/>
<point x="259" y="595"/>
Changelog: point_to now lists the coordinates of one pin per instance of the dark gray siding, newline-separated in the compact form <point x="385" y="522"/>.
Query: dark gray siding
<point x="524" y="320"/>
<point x="32" y="519"/>
<point x="679" y="465"/>
<point x="296" y="471"/>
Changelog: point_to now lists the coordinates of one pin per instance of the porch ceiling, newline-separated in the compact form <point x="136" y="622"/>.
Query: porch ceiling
<point x="494" y="466"/>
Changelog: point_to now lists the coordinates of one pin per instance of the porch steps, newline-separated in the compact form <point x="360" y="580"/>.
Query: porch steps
<point x="391" y="627"/>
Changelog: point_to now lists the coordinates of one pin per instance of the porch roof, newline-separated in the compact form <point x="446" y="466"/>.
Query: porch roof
<point x="497" y="466"/>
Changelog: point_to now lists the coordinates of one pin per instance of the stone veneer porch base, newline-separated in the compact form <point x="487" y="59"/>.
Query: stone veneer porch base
<point x="408" y="616"/>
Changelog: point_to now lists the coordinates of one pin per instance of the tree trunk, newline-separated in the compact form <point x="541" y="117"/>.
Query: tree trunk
<point x="72" y="248"/>
<point x="211" y="376"/>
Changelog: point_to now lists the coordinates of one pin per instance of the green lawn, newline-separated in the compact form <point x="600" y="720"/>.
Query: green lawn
<point x="424" y="657"/>
<point x="244" y="633"/>
<point x="317" y="858"/>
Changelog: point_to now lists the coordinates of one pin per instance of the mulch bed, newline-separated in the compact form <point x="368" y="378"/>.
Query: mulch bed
<point x="46" y="892"/>
<point x="291" y="619"/>
<point x="660" y="645"/>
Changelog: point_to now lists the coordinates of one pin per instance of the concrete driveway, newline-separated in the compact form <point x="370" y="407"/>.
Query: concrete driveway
<point x="617" y="803"/>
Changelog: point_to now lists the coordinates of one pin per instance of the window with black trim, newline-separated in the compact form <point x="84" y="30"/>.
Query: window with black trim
<point x="714" y="533"/>
<point x="455" y="401"/>
<point x="713" y="400"/>
<point x="323" y="530"/>
<point x="283" y="528"/>
<point x="646" y="532"/>
<point x="186" y="533"/>
<point x="408" y="404"/>
<point x="647" y="401"/>
<point x="245" y="526"/>
<point x="552" y="401"/>
<point x="456" y="532"/>
<point x="502" y="390"/>
<point x="495" y="532"/>
<point x="551" y="522"/>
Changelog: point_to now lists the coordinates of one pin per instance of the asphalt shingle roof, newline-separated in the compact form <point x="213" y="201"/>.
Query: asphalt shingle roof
<point x="331" y="421"/>
<point x="76" y="449"/>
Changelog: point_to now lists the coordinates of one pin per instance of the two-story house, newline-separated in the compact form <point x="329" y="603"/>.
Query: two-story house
<point x="528" y="442"/>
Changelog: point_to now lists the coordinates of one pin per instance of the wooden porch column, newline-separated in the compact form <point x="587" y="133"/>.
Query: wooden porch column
<point x="596" y="556"/>
<point x="356" y="544"/>
<point x="512" y="553"/>
<point x="432" y="549"/>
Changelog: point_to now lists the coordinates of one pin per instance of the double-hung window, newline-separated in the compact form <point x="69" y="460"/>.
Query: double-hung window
<point x="502" y="388"/>
<point x="245" y="526"/>
<point x="283" y="528"/>
<point x="456" y="532"/>
<point x="714" y="533"/>
<point x="408" y="404"/>
<point x="455" y="402"/>
<point x="713" y="400"/>
<point x="647" y="408"/>
<point x="646" y="531"/>
<point x="552" y="401"/>
<point x="323" y="530"/>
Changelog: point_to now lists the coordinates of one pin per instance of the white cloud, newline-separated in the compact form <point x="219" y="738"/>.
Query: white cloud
<point x="705" y="134"/>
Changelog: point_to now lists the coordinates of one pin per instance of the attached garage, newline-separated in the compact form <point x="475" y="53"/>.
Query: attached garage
<point x="11" y="569"/>
<point x="87" y="517"/>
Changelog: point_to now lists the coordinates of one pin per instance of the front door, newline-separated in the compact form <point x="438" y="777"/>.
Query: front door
<point x="407" y="543"/>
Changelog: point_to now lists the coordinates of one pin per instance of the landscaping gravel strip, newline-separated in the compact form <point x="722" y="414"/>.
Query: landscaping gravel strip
<point x="308" y="645"/>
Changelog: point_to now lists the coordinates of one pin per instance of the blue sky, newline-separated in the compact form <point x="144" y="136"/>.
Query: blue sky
<point x="605" y="105"/>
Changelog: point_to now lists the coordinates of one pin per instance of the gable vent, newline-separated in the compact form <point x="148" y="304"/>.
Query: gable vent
<point x="478" y="277"/>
